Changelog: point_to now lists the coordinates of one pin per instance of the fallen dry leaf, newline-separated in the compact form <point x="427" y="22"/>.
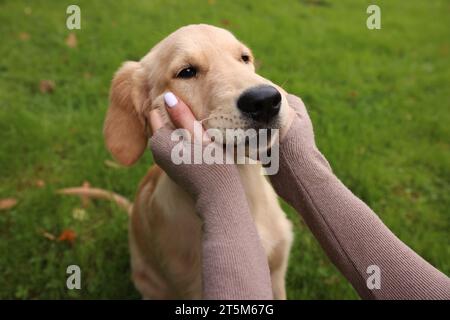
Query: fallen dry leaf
<point x="67" y="235"/>
<point x="46" y="234"/>
<point x="113" y="164"/>
<point x="46" y="86"/>
<point x="444" y="50"/>
<point x="24" y="36"/>
<point x="71" y="40"/>
<point x="225" y="22"/>
<point x="49" y="236"/>
<point x="40" y="183"/>
<point x="7" y="203"/>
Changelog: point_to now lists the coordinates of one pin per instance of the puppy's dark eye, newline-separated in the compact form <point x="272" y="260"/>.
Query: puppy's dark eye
<point x="245" y="58"/>
<point x="187" y="73"/>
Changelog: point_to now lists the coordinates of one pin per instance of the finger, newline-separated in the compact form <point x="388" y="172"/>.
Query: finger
<point x="182" y="116"/>
<point x="156" y="121"/>
<point x="179" y="112"/>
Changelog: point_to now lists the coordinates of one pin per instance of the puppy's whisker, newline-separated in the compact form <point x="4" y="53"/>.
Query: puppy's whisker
<point x="285" y="81"/>
<point x="207" y="118"/>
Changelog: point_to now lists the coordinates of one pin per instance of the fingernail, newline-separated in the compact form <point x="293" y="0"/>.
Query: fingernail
<point x="170" y="99"/>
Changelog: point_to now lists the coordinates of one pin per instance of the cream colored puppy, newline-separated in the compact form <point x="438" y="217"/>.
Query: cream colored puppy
<point x="210" y="70"/>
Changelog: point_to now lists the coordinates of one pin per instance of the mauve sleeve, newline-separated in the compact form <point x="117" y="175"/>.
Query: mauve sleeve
<point x="234" y="264"/>
<point x="352" y="235"/>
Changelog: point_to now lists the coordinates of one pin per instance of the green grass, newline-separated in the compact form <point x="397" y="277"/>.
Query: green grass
<point x="379" y="101"/>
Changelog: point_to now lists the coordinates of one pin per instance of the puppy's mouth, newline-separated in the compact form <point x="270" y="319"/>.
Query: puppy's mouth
<point x="255" y="117"/>
<point x="241" y="130"/>
<point x="250" y="138"/>
<point x="272" y="124"/>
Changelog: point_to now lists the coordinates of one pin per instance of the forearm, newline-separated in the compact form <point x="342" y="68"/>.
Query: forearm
<point x="351" y="233"/>
<point x="234" y="263"/>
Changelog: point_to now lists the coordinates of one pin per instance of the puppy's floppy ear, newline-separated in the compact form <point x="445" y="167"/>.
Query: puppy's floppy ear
<point x="124" y="129"/>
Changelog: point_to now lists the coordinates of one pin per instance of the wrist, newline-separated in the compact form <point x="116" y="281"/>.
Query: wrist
<point x="302" y="160"/>
<point x="216" y="181"/>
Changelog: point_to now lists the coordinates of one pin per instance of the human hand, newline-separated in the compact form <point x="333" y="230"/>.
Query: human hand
<point x="299" y="126"/>
<point x="196" y="179"/>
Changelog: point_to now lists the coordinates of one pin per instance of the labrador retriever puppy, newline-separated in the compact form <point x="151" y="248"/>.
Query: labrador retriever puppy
<point x="214" y="73"/>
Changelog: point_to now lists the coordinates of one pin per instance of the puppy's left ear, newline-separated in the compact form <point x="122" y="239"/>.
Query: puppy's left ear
<point x="124" y="128"/>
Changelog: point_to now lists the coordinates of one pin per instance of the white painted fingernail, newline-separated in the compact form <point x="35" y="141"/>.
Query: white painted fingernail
<point x="170" y="99"/>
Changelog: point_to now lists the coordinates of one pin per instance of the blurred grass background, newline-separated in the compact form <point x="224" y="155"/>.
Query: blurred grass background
<point x="379" y="101"/>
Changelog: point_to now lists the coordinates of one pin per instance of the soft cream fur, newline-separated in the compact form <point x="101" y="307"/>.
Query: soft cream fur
<point x="165" y="231"/>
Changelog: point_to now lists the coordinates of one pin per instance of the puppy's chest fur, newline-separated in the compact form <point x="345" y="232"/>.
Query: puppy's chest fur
<point x="165" y="234"/>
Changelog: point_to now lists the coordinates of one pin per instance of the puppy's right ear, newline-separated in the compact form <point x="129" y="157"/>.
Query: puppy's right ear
<point x="124" y="128"/>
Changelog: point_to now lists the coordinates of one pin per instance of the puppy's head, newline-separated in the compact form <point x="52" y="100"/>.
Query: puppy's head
<point x="210" y="70"/>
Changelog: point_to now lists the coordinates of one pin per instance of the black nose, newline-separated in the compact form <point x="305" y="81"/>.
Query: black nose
<point x="260" y="103"/>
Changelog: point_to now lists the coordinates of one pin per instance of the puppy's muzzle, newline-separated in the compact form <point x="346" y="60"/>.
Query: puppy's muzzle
<point x="261" y="103"/>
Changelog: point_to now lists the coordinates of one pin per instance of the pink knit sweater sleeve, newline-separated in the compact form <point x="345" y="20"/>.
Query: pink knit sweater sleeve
<point x="377" y="263"/>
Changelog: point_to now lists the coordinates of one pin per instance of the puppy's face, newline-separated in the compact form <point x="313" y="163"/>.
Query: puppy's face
<point x="211" y="71"/>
